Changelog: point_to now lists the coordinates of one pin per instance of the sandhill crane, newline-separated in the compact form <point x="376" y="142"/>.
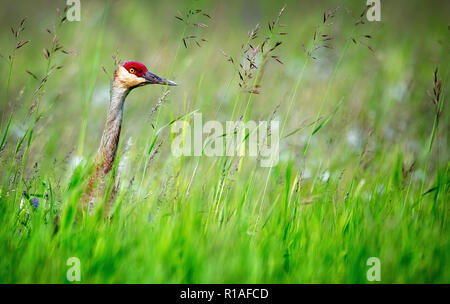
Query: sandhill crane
<point x="127" y="76"/>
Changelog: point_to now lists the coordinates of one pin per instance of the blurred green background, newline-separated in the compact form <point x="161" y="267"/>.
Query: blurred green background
<point x="341" y="193"/>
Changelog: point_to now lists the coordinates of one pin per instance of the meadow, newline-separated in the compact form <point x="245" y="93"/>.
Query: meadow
<point x="363" y="167"/>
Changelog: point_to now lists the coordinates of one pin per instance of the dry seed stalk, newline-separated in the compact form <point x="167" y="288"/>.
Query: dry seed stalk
<point x="186" y="18"/>
<point x="254" y="49"/>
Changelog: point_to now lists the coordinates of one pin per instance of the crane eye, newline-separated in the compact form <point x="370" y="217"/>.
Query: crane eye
<point x="131" y="71"/>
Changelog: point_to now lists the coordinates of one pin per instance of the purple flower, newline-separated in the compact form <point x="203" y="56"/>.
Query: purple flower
<point x="35" y="202"/>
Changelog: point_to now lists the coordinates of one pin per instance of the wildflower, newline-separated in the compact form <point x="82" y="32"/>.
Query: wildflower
<point x="326" y="176"/>
<point x="35" y="202"/>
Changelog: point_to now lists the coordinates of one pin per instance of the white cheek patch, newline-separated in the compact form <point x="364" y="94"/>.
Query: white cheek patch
<point x="125" y="79"/>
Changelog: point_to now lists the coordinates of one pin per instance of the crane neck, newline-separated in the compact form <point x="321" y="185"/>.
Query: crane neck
<point x="111" y="134"/>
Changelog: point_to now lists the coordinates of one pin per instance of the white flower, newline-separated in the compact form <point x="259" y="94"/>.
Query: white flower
<point x="354" y="138"/>
<point x="326" y="176"/>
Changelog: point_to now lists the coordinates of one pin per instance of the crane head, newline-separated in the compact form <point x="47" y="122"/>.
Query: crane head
<point x="133" y="74"/>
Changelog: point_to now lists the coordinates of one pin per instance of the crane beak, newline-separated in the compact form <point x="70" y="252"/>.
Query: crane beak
<point x="155" y="79"/>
